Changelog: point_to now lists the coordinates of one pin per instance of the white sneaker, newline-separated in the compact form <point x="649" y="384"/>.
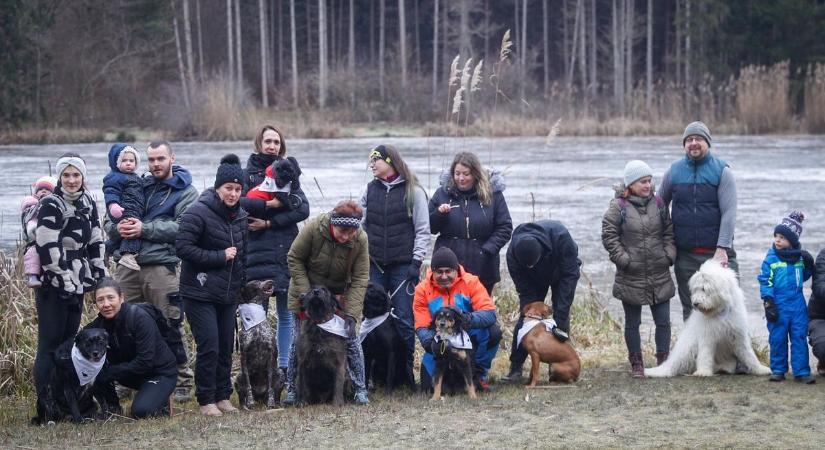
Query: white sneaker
<point x="129" y="261"/>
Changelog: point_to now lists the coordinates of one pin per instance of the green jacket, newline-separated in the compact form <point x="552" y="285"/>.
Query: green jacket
<point x="315" y="258"/>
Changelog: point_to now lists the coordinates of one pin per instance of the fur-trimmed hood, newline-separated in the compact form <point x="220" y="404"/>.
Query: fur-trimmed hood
<point x="496" y="180"/>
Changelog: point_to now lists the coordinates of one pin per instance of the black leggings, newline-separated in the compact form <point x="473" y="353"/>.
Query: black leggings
<point x="632" y="320"/>
<point x="57" y="322"/>
<point x="152" y="395"/>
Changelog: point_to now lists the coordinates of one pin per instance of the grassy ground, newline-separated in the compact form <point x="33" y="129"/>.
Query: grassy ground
<point x="606" y="408"/>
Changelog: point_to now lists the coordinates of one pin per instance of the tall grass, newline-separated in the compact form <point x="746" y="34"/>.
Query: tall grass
<point x="815" y="99"/>
<point x="762" y="98"/>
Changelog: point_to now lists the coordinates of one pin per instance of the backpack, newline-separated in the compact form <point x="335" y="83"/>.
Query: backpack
<point x="660" y="205"/>
<point x="31" y="213"/>
<point x="25" y="217"/>
<point x="160" y="320"/>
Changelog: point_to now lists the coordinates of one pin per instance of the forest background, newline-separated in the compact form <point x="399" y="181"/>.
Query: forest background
<point x="91" y="70"/>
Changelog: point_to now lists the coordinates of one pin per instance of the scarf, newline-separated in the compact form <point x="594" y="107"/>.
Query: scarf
<point x="251" y="315"/>
<point x="86" y="370"/>
<point x="372" y="323"/>
<point x="529" y="324"/>
<point x="457" y="340"/>
<point x="336" y="326"/>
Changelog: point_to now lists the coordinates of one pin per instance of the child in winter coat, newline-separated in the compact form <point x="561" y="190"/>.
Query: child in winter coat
<point x="784" y="270"/>
<point x="123" y="193"/>
<point x="29" y="207"/>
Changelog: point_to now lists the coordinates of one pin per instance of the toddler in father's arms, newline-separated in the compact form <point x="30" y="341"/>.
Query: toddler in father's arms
<point x="123" y="193"/>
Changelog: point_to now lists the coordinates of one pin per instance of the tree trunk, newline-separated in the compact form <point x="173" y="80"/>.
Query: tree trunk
<point x="264" y="58"/>
<point x="200" y="39"/>
<point x="687" y="48"/>
<point x="592" y="84"/>
<point x="523" y="49"/>
<point x="565" y="40"/>
<point x="464" y="44"/>
<point x="416" y="39"/>
<point x="629" y="34"/>
<point x="649" y="58"/>
<point x="381" y="43"/>
<point x="294" y="50"/>
<point x="276" y="41"/>
<point x="402" y="38"/>
<point x="187" y="36"/>
<point x="322" y="53"/>
<point x="677" y="17"/>
<point x="583" y="51"/>
<point x="351" y="54"/>
<point x="546" y="45"/>
<point x="238" y="43"/>
<point x="435" y="51"/>
<point x="181" y="67"/>
<point x="230" y="44"/>
<point x="618" y="70"/>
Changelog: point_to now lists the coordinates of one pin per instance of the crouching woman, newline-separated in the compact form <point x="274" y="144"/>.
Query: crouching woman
<point x="138" y="356"/>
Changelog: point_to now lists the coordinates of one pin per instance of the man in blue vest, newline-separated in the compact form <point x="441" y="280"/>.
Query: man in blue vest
<point x="703" y="195"/>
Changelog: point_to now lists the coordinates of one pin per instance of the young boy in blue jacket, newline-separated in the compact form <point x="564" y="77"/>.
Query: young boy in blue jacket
<point x="785" y="268"/>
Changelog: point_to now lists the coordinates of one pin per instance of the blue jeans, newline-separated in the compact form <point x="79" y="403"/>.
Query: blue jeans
<point x="286" y="326"/>
<point x="391" y="277"/>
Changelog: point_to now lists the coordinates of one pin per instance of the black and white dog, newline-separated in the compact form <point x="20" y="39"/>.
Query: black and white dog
<point x="260" y="379"/>
<point x="71" y="388"/>
<point x="385" y="353"/>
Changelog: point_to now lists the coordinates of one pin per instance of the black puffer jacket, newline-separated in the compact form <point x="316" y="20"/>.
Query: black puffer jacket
<point x="207" y="229"/>
<point x="475" y="232"/>
<point x="136" y="350"/>
<point x="816" y="305"/>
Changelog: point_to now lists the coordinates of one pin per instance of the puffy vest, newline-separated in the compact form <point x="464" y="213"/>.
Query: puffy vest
<point x="389" y="227"/>
<point x="695" y="208"/>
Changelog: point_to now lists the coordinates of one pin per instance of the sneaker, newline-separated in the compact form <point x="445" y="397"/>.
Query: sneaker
<point x="361" y="397"/>
<point x="807" y="379"/>
<point x="182" y="394"/>
<point x="226" y="407"/>
<point x="483" y="386"/>
<point x="777" y="377"/>
<point x="210" y="410"/>
<point x="33" y="282"/>
<point x="291" y="398"/>
<point x="129" y="261"/>
<point x="513" y="377"/>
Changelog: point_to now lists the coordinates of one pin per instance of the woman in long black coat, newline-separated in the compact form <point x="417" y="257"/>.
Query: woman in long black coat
<point x="470" y="216"/>
<point x="211" y="244"/>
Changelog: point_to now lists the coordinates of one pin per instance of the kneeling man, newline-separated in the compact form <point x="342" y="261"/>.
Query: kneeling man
<point x="447" y="284"/>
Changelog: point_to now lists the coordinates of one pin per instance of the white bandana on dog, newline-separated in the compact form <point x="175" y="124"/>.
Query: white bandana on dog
<point x="86" y="370"/>
<point x="251" y="314"/>
<point x="336" y="325"/>
<point x="370" y="324"/>
<point x="529" y="324"/>
<point x="269" y="185"/>
<point x="461" y="341"/>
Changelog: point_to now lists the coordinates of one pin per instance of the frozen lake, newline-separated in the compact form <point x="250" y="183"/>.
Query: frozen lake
<point x="568" y="181"/>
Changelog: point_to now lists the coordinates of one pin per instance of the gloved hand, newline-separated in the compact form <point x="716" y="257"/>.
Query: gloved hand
<point x="466" y="319"/>
<point x="350" y="321"/>
<point x="115" y="211"/>
<point x="809" y="261"/>
<point x="771" y="313"/>
<point x="414" y="271"/>
<point x="439" y="348"/>
<point x="560" y="334"/>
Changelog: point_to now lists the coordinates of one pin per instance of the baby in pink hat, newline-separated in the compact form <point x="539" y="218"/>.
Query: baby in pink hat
<point x="30" y="206"/>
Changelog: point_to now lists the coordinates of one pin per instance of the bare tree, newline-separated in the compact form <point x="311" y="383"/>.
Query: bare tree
<point x="523" y="49"/>
<point x="181" y="68"/>
<point x="381" y="44"/>
<point x="687" y="45"/>
<point x="546" y="43"/>
<point x="322" y="53"/>
<point x="581" y="6"/>
<point x="435" y="51"/>
<point x="465" y="47"/>
<point x="200" y="39"/>
<point x="649" y="57"/>
<point x="351" y="55"/>
<point x="402" y="38"/>
<point x="238" y="44"/>
<point x="230" y="44"/>
<point x="264" y="58"/>
<point x="187" y="35"/>
<point x="618" y="52"/>
<point x="593" y="51"/>
<point x="294" y="49"/>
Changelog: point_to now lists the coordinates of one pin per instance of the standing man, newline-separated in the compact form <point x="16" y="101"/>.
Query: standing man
<point x="542" y="256"/>
<point x="703" y="194"/>
<point x="168" y="192"/>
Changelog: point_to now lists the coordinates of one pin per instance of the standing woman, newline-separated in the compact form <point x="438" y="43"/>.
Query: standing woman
<point x="69" y="242"/>
<point x="638" y="234"/>
<point x="211" y="244"/>
<point x="470" y="216"/>
<point x="272" y="228"/>
<point x="398" y="226"/>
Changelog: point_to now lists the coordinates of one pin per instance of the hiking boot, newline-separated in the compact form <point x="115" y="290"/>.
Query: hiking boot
<point x="820" y="367"/>
<point x="210" y="410"/>
<point x="777" y="377"/>
<point x="661" y="357"/>
<point x="637" y="365"/>
<point x="807" y="379"/>
<point x="291" y="398"/>
<point x="361" y="397"/>
<point x="483" y="386"/>
<point x="129" y="261"/>
<point x="513" y="377"/>
<point x="182" y="394"/>
<point x="226" y="407"/>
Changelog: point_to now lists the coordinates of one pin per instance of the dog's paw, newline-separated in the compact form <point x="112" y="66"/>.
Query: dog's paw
<point x="760" y="370"/>
<point x="703" y="373"/>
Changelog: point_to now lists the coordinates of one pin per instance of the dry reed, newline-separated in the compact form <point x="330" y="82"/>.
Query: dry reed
<point x="762" y="98"/>
<point x="815" y="99"/>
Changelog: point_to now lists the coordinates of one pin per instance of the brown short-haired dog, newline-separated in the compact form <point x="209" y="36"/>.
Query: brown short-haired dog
<point x="543" y="346"/>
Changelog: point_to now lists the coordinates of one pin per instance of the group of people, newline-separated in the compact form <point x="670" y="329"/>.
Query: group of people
<point x="188" y="254"/>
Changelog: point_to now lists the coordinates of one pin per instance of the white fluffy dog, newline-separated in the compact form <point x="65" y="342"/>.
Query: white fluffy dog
<point x="716" y="335"/>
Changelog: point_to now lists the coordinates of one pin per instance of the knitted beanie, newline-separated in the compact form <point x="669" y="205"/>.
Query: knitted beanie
<point x="124" y="151"/>
<point x="45" y="182"/>
<point x="699" y="129"/>
<point x="528" y="251"/>
<point x="444" y="257"/>
<point x="229" y="171"/>
<point x="791" y="227"/>
<point x="634" y="170"/>
<point x="71" y="159"/>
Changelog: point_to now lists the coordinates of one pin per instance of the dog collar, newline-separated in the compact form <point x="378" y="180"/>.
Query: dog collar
<point x="85" y="369"/>
<point x="251" y="314"/>
<point x="529" y="324"/>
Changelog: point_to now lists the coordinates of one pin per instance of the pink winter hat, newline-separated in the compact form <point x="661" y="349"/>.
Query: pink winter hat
<point x="45" y="182"/>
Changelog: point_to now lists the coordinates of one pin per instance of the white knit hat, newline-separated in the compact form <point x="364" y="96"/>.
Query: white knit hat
<point x="634" y="170"/>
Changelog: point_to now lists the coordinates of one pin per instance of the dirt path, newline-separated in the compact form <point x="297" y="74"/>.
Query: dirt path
<point x="605" y="409"/>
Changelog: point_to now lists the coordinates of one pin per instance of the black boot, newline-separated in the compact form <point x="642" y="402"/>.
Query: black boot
<point x="512" y="377"/>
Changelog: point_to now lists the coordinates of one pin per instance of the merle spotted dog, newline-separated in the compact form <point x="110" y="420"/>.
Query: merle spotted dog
<point x="321" y="355"/>
<point x="63" y="395"/>
<point x="385" y="353"/>
<point x="453" y="366"/>
<point x="260" y="379"/>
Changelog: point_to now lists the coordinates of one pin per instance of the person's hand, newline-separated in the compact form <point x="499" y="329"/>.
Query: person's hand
<point x="771" y="313"/>
<point x="274" y="203"/>
<point x="130" y="228"/>
<point x="257" y="224"/>
<point x="115" y="210"/>
<point x="721" y="255"/>
<point x="350" y="321"/>
<point x="444" y="208"/>
<point x="808" y="260"/>
<point x="230" y="253"/>
<point x="414" y="271"/>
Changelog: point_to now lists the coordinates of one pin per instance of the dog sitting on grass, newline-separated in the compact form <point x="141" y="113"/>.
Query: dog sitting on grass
<point x="453" y="354"/>
<point x="536" y="335"/>
<point x="71" y="388"/>
<point x="385" y="353"/>
<point x="260" y="379"/>
<point x="322" y="355"/>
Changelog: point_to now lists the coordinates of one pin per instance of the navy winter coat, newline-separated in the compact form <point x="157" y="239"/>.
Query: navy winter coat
<point x="816" y="305"/>
<point x="206" y="230"/>
<point x="476" y="233"/>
